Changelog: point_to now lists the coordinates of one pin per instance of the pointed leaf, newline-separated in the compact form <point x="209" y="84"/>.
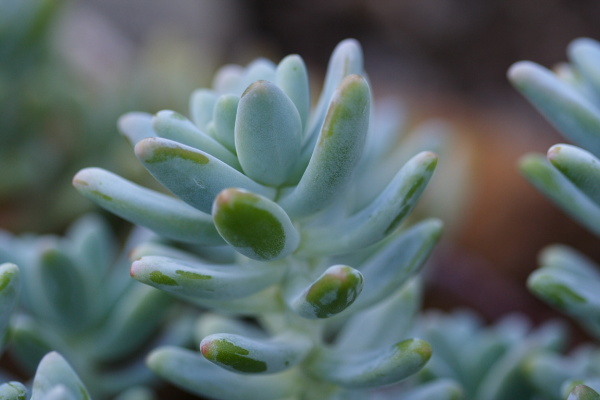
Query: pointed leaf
<point x="193" y="175"/>
<point x="333" y="292"/>
<point x="192" y="372"/>
<point x="244" y="355"/>
<point x="254" y="225"/>
<point x="291" y="76"/>
<point x="268" y="133"/>
<point x="579" y="166"/>
<point x="337" y="152"/>
<point x="370" y="369"/>
<point x="398" y="260"/>
<point x="559" y="189"/>
<point x="136" y="126"/>
<point x="378" y="219"/>
<point x="224" y="120"/>
<point x="174" y="126"/>
<point x="571" y="113"/>
<point x="54" y="371"/>
<point x="160" y="213"/>
<point x="198" y="279"/>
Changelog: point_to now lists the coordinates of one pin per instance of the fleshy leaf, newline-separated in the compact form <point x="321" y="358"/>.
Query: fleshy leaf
<point x="576" y="117"/>
<point x="136" y="126"/>
<point x="291" y="76"/>
<point x="378" y="219"/>
<point x="10" y="289"/>
<point x="254" y="225"/>
<point x="268" y="133"/>
<point x="190" y="371"/>
<point x="174" y="126"/>
<point x="198" y="279"/>
<point x="224" y="120"/>
<point x="373" y="368"/>
<point x="193" y="175"/>
<point x="337" y="152"/>
<point x="160" y="213"/>
<point x="331" y="293"/>
<point x="54" y="371"/>
<point x="251" y="356"/>
<point x="400" y="258"/>
<point x="13" y="391"/>
<point x="440" y="389"/>
<point x="585" y="54"/>
<point x="558" y="188"/>
<point x="583" y="392"/>
<point x="202" y="104"/>
<point x="579" y="166"/>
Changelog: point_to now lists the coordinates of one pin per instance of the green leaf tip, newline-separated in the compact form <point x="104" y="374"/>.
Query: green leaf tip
<point x="583" y="392"/>
<point x="254" y="225"/>
<point x="554" y="292"/>
<point x="223" y="352"/>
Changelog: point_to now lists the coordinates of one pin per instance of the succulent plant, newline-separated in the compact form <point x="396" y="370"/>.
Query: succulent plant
<point x="265" y="225"/>
<point x="570" y="176"/>
<point x="76" y="300"/>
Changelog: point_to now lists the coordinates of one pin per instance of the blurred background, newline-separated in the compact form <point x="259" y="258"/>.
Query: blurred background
<point x="68" y="69"/>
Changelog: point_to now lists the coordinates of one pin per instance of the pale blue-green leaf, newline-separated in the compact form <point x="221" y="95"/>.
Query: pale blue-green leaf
<point x="292" y="77"/>
<point x="13" y="391"/>
<point x="266" y="301"/>
<point x="211" y="323"/>
<point x="400" y="258"/>
<point x="385" y="323"/>
<point x="547" y="371"/>
<point x="54" y="371"/>
<point x="585" y="55"/>
<point x="224" y="120"/>
<point x="193" y="175"/>
<point x="369" y="369"/>
<point x="202" y="104"/>
<point x="583" y="392"/>
<point x="439" y="389"/>
<point x="30" y="341"/>
<point x="195" y="278"/>
<point x="140" y="312"/>
<point x="174" y="126"/>
<point x="337" y="152"/>
<point x="542" y="174"/>
<point x="565" y="258"/>
<point x="227" y="80"/>
<point x="254" y="225"/>
<point x="192" y="372"/>
<point x="136" y="126"/>
<point x="346" y="59"/>
<point x="61" y="392"/>
<point x="330" y="294"/>
<point x="579" y="166"/>
<point x="260" y="69"/>
<point x="268" y="133"/>
<point x="137" y="393"/>
<point x="10" y="288"/>
<point x="158" y="212"/>
<point x="255" y="356"/>
<point x="568" y="110"/>
<point x="379" y="218"/>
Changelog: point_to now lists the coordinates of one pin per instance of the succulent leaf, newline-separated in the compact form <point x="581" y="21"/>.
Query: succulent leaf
<point x="10" y="288"/>
<point x="583" y="392"/>
<point x="579" y="166"/>
<point x="330" y="294"/>
<point x="268" y="133"/>
<point x="251" y="356"/>
<point x="136" y="126"/>
<point x="160" y="213"/>
<point x="195" y="373"/>
<point x="202" y="104"/>
<point x="337" y="152"/>
<point x="291" y="76"/>
<point x="568" y="110"/>
<point x="440" y="389"/>
<point x="370" y="369"/>
<point x="174" y="126"/>
<point x="199" y="176"/>
<point x="13" y="391"/>
<point x="585" y="55"/>
<point x="540" y="172"/>
<point x="202" y="280"/>
<point x="54" y="371"/>
<point x="399" y="259"/>
<point x="254" y="225"/>
<point x="224" y="120"/>
<point x="381" y="217"/>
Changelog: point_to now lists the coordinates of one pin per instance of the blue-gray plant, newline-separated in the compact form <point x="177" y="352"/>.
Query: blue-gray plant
<point x="569" y="98"/>
<point x="265" y="223"/>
